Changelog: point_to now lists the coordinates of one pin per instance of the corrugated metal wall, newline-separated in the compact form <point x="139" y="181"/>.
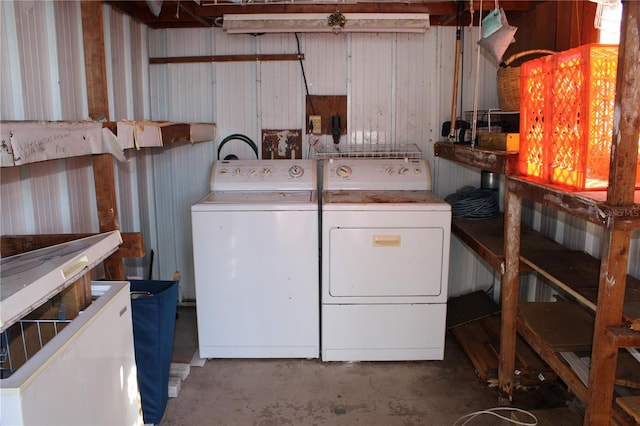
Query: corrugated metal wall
<point x="398" y="88"/>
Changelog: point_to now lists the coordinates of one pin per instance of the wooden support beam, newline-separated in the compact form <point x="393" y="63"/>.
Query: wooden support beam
<point x="226" y="58"/>
<point x="622" y="337"/>
<point x="104" y="178"/>
<point x="132" y="243"/>
<point x="94" y="59"/>
<point x="510" y="283"/>
<point x="615" y="256"/>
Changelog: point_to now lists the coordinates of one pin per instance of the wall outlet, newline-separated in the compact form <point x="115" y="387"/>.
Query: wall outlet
<point x="315" y="123"/>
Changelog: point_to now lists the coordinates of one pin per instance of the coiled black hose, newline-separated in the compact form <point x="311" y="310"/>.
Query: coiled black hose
<point x="473" y="204"/>
<point x="238" y="136"/>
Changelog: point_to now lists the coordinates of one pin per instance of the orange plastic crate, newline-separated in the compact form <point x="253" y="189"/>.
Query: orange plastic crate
<point x="567" y="103"/>
<point x="533" y="88"/>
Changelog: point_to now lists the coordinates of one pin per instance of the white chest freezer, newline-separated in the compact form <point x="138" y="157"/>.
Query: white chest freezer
<point x="57" y="369"/>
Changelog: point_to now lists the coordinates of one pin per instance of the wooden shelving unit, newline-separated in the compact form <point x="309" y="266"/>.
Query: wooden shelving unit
<point x="503" y="162"/>
<point x="586" y="280"/>
<point x="600" y="287"/>
<point x="614" y="297"/>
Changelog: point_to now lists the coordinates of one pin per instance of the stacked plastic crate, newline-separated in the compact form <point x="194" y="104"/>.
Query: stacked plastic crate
<point x="566" y="116"/>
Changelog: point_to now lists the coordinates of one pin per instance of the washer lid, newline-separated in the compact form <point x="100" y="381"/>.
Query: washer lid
<point x="259" y="197"/>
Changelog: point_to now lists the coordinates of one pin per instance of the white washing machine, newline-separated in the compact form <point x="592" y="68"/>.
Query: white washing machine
<point x="385" y="260"/>
<point x="255" y="243"/>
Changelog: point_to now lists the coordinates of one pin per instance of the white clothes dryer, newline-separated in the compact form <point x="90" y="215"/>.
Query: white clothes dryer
<point x="385" y="260"/>
<point x="255" y="243"/>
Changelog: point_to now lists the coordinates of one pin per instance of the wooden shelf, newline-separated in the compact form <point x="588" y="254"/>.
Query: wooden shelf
<point x="576" y="274"/>
<point x="587" y="205"/>
<point x="486" y="238"/>
<point x="503" y="162"/>
<point x="536" y="332"/>
<point x="562" y="369"/>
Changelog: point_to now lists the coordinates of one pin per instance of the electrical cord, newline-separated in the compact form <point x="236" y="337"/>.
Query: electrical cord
<point x="494" y="412"/>
<point x="473" y="204"/>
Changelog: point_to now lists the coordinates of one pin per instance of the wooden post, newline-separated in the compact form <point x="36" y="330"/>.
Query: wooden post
<point x="510" y="282"/>
<point x="94" y="59"/>
<point x="104" y="178"/>
<point x="614" y="264"/>
<point x="103" y="173"/>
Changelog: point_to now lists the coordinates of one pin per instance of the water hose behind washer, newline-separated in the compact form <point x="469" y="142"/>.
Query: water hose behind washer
<point x="243" y="138"/>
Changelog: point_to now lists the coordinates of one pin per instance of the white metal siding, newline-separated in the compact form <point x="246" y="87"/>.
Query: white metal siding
<point x="398" y="88"/>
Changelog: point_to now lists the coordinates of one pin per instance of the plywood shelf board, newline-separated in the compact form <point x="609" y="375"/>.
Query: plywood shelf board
<point x="577" y="274"/>
<point x="503" y="162"/>
<point x="562" y="326"/>
<point x="561" y="368"/>
<point x="587" y="205"/>
<point x="631" y="406"/>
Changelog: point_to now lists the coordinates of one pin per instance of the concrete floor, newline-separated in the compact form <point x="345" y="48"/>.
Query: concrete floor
<point x="310" y="392"/>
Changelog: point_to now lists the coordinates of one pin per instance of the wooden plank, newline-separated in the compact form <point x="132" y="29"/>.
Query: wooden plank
<point x="577" y="274"/>
<point x="470" y="307"/>
<point x="627" y="370"/>
<point x="533" y="370"/>
<point x="624" y="337"/>
<point x="503" y="162"/>
<point x="591" y="206"/>
<point x="626" y="128"/>
<point x="611" y="291"/>
<point x="132" y="243"/>
<point x="550" y="357"/>
<point x="630" y="405"/>
<point x="226" y="58"/>
<point x="477" y="345"/>
<point x="326" y="107"/>
<point x="94" y="59"/>
<point x="510" y="283"/>
<point x="104" y="177"/>
<point x="562" y="326"/>
<point x="485" y="237"/>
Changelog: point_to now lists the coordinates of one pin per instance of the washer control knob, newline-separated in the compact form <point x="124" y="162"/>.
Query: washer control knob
<point x="402" y="170"/>
<point x="388" y="170"/>
<point x="252" y="171"/>
<point x="296" y="171"/>
<point x="344" y="171"/>
<point x="266" y="171"/>
<point x="224" y="171"/>
<point x="417" y="170"/>
<point x="238" y="171"/>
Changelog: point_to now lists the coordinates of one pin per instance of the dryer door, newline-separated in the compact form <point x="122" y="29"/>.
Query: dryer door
<point x="385" y="262"/>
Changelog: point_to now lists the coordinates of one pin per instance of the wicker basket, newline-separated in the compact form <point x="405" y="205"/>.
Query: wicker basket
<point x="509" y="80"/>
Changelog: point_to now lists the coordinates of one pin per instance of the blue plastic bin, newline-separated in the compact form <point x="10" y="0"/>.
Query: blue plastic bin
<point x="153" y="308"/>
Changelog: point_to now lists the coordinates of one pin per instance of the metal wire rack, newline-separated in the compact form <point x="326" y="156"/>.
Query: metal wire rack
<point x="23" y="340"/>
<point x="367" y="151"/>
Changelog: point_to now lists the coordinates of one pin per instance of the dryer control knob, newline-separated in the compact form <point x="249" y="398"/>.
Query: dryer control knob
<point x="417" y="170"/>
<point x="402" y="170"/>
<point x="343" y="171"/>
<point x="296" y="171"/>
